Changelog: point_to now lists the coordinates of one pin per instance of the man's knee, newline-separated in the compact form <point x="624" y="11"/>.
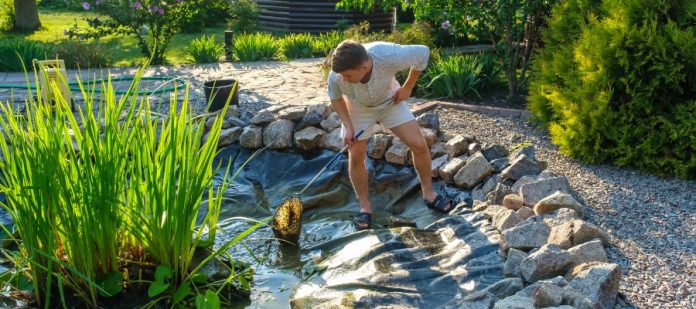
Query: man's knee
<point x="357" y="154"/>
<point x="419" y="148"/>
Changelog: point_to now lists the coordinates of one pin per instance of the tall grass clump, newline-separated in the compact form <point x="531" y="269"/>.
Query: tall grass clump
<point x="458" y="76"/>
<point x="297" y="45"/>
<point x="17" y="54"/>
<point x="110" y="187"/>
<point x="256" y="47"/>
<point x="205" y="50"/>
<point x="325" y="42"/>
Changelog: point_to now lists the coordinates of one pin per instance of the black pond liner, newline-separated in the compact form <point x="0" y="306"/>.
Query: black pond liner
<point x="444" y="258"/>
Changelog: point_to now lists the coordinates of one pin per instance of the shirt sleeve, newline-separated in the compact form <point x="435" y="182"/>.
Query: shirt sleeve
<point x="411" y="56"/>
<point x="333" y="91"/>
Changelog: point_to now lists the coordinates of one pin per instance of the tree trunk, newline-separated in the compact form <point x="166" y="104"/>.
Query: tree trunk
<point x="26" y="15"/>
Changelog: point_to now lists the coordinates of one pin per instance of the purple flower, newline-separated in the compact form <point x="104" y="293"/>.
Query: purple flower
<point x="161" y="11"/>
<point x="154" y="8"/>
<point x="86" y="6"/>
<point x="445" y="25"/>
<point x="137" y="5"/>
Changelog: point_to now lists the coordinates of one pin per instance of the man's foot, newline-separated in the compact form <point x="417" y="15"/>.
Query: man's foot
<point x="363" y="221"/>
<point x="440" y="203"/>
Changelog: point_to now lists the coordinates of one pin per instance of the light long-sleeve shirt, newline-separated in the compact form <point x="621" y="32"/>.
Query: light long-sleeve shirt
<point x="387" y="60"/>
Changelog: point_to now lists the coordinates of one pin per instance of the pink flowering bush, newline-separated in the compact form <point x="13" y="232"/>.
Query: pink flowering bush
<point x="152" y="22"/>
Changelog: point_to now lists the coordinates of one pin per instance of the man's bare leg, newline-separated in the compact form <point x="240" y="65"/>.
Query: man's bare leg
<point x="410" y="134"/>
<point x="357" y="171"/>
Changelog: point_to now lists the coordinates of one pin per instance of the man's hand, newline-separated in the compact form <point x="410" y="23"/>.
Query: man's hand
<point x="402" y="94"/>
<point x="349" y="138"/>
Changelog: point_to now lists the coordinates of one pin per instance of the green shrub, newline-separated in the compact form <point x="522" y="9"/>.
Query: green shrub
<point x="297" y="45"/>
<point x="458" y="76"/>
<point x="617" y="82"/>
<point x="325" y="42"/>
<point x="418" y="33"/>
<point x="256" y="47"/>
<point x="18" y="54"/>
<point x="79" y="55"/>
<point x="244" y="16"/>
<point x="205" y="50"/>
<point x="7" y="15"/>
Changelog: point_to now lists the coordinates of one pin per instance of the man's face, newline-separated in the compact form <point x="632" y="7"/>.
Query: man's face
<point x="354" y="76"/>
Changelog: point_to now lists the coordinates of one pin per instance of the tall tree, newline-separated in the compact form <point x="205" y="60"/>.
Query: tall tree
<point x="26" y="15"/>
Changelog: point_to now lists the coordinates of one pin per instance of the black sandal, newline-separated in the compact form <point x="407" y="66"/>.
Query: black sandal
<point x="440" y="203"/>
<point x="363" y="221"/>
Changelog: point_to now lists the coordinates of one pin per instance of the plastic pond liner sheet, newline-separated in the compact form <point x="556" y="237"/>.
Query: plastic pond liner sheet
<point x="414" y="256"/>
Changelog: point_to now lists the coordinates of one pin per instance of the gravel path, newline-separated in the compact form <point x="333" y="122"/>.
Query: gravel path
<point x="651" y="220"/>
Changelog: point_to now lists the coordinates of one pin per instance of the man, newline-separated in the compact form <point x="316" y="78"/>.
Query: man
<point x="360" y="85"/>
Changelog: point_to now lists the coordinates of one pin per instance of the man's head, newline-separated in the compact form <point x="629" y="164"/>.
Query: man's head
<point x="351" y="61"/>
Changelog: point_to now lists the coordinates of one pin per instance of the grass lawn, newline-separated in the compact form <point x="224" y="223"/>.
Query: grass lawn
<point x="124" y="49"/>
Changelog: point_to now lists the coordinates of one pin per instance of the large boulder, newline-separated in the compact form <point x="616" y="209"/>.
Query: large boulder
<point x="525" y="150"/>
<point x="313" y="117"/>
<point x="500" y="164"/>
<point x="591" y="251"/>
<point x="450" y="169"/>
<point x="558" y="200"/>
<point x="506" y="287"/>
<point x="498" y="194"/>
<point x="229" y="136"/>
<point x="512" y="263"/>
<point x="521" y="166"/>
<point x="534" y="192"/>
<point x="429" y="120"/>
<point x="430" y="136"/>
<point x="252" y="137"/>
<point x="378" y="145"/>
<point x="278" y="135"/>
<point x="523" y="181"/>
<point x="490" y="184"/>
<point x="505" y="219"/>
<point x="436" y="164"/>
<point x="560" y="216"/>
<point x="398" y="153"/>
<point x="525" y="236"/>
<point x="308" y="138"/>
<point x="494" y="152"/>
<point x="263" y="118"/>
<point x="598" y="282"/>
<point x="549" y="261"/>
<point x="438" y="149"/>
<point x="332" y="141"/>
<point x="474" y="171"/>
<point x="513" y="201"/>
<point x="292" y="113"/>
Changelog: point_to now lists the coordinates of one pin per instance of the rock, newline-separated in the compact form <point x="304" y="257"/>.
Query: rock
<point x="451" y="168"/>
<point x="521" y="166"/>
<point x="525" y="236"/>
<point x="252" y="137"/>
<point x="549" y="261"/>
<point x="308" y="138"/>
<point x="438" y="149"/>
<point x="498" y="194"/>
<point x="534" y="192"/>
<point x="506" y="287"/>
<point x="476" y="169"/>
<point x="436" y="164"/>
<point x="524" y="213"/>
<point x="332" y="141"/>
<point x="512" y="263"/>
<point x="546" y="174"/>
<point x="560" y="216"/>
<point x="490" y="184"/>
<point x="523" y="181"/>
<point x="429" y="135"/>
<point x="235" y="121"/>
<point x="292" y="113"/>
<point x="500" y="164"/>
<point x="591" y="251"/>
<point x="558" y="200"/>
<point x="228" y="136"/>
<point x="599" y="283"/>
<point x="398" y="153"/>
<point x="515" y="302"/>
<point x="378" y="145"/>
<point x="495" y="152"/>
<point x="429" y="120"/>
<point x="474" y="148"/>
<point x="576" y="300"/>
<point x="319" y="108"/>
<point x="332" y="122"/>
<point x="505" y="219"/>
<point x="482" y="206"/>
<point x="457" y="146"/>
<point x="491" y="210"/>
<point x="209" y="122"/>
<point x="477" y="300"/>
<point x="576" y="232"/>
<point x="525" y="150"/>
<point x="278" y="135"/>
<point x="263" y="118"/>
<point x="513" y="201"/>
<point x="312" y="117"/>
<point x="233" y="110"/>
<point x="477" y="195"/>
<point x="547" y="295"/>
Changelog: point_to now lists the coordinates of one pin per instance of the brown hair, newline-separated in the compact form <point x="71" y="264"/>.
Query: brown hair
<point x="348" y="55"/>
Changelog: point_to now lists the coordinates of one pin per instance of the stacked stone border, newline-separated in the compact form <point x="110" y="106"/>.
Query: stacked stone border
<point x="553" y="258"/>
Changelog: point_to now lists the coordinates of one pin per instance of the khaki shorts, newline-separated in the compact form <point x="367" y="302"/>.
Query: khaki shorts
<point x="361" y="116"/>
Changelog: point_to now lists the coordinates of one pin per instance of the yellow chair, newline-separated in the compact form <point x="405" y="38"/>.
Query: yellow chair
<point x="53" y="71"/>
